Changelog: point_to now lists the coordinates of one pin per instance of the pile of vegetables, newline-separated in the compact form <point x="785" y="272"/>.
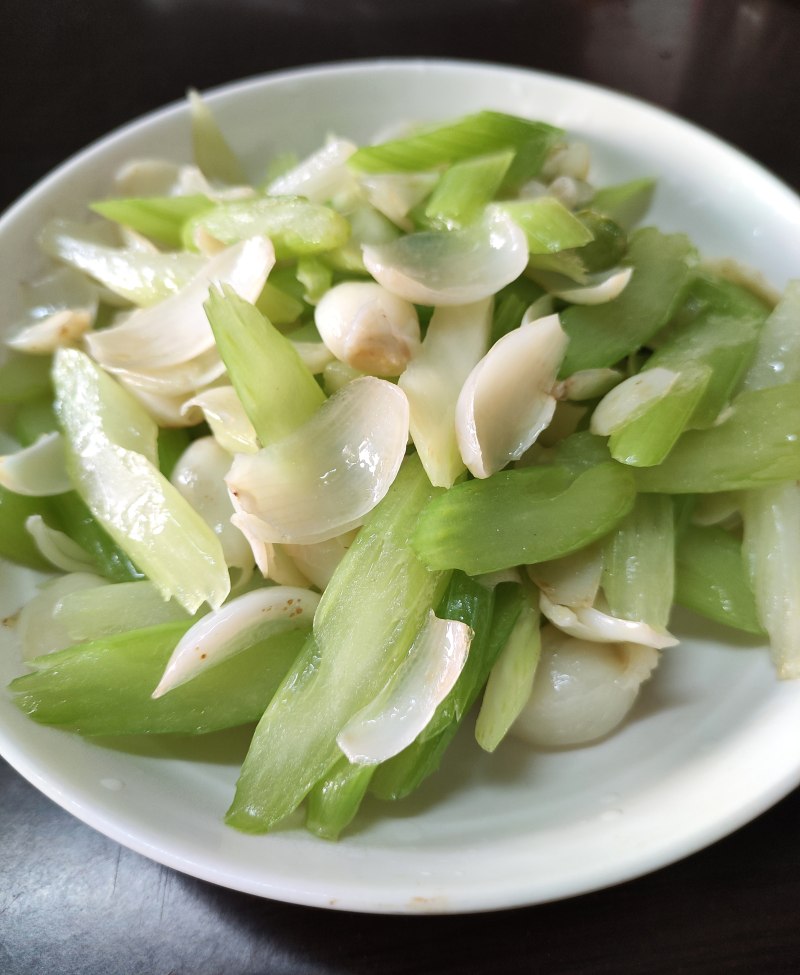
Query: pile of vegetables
<point x="402" y="429"/>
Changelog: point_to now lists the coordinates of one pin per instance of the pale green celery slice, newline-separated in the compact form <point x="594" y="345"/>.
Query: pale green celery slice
<point x="111" y="457"/>
<point x="518" y="517"/>
<point x="335" y="799"/>
<point x="465" y="188"/>
<point x="549" y="226"/>
<point x="160" y="218"/>
<point x="212" y="153"/>
<point x="278" y="306"/>
<point x="626" y="203"/>
<point x="647" y="437"/>
<point x="367" y="226"/>
<point x="771" y="547"/>
<point x="140" y="276"/>
<point x="639" y="561"/>
<point x="511" y="678"/>
<point x="473" y="135"/>
<point x="315" y="277"/>
<point x="777" y="357"/>
<point x="566" y="268"/>
<point x="601" y="335"/>
<point x="295" y="226"/>
<point x="756" y="445"/>
<point x="372" y="609"/>
<point x="276" y="389"/>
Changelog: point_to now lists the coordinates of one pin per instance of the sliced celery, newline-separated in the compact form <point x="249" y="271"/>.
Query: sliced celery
<point x="315" y="277"/>
<point x="711" y="577"/>
<point x="79" y="523"/>
<point x="160" y="218"/>
<point x="511" y="304"/>
<point x="639" y="560"/>
<point x="212" y="153"/>
<point x="276" y="388"/>
<point x="295" y="226"/>
<point x="757" y="444"/>
<point x="102" y="610"/>
<point x="601" y="335"/>
<point x="104" y="687"/>
<point x="24" y="378"/>
<point x="16" y="544"/>
<point x="172" y="441"/>
<point x="518" y="517"/>
<point x="465" y="188"/>
<point x="371" y="610"/>
<point x="549" y="226"/>
<point x="474" y="135"/>
<point x="278" y="306"/>
<point x="625" y="203"/>
<point x="777" y="359"/>
<point x="335" y="799"/>
<point x="609" y="243"/>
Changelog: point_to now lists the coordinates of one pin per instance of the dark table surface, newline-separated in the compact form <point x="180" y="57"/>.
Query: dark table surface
<point x="72" y="901"/>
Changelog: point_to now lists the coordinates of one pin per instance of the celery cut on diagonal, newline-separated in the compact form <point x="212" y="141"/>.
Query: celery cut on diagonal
<point x="473" y="135"/>
<point x="370" y="613"/>
<point x="465" y="188"/>
<point x="549" y="226"/>
<point x="276" y="388"/>
<point x="111" y="458"/>
<point x="711" y="577"/>
<point x="777" y="358"/>
<point x="510" y="306"/>
<point x="160" y="218"/>
<point x="601" y="335"/>
<point x="336" y="798"/>
<point x="519" y="517"/>
<point x="104" y="687"/>
<point x="757" y="444"/>
<point x="625" y="203"/>
<point x="638" y="562"/>
<point x="213" y="155"/>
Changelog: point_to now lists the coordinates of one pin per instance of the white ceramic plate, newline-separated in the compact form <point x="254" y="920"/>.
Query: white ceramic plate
<point x="713" y="741"/>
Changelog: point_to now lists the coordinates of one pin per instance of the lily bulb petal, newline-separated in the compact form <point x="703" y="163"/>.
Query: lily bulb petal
<point x="367" y="327"/>
<point x="603" y="288"/>
<point x="234" y="627"/>
<point x="457" y="267"/>
<point x="630" y="397"/>
<point x="405" y="706"/>
<point x="573" y="580"/>
<point x="507" y="399"/>
<point x="320" y="176"/>
<point x="586" y="623"/>
<point x="37" y="471"/>
<point x="222" y="410"/>
<point x="63" y="327"/>
<point x="325" y="478"/>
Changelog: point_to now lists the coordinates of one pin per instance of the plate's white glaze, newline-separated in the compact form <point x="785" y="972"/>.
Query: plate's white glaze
<point x="713" y="741"/>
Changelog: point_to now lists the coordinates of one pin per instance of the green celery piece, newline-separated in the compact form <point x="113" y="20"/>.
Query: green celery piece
<point x="278" y="306"/>
<point x="335" y="800"/>
<point x="601" y="335"/>
<point x="580" y="451"/>
<point x="639" y="560"/>
<point x="609" y="244"/>
<point x="492" y="622"/>
<point x="625" y="203"/>
<point x="715" y="293"/>
<point x="567" y="264"/>
<point x="104" y="687"/>
<point x="276" y="388"/>
<point x="549" y="226"/>
<point x="295" y="226"/>
<point x="711" y="577"/>
<point x="368" y="617"/>
<point x="647" y="438"/>
<point x="510" y="305"/>
<point x="172" y="441"/>
<point x="465" y="188"/>
<point x="315" y="277"/>
<point x="110" y="445"/>
<point x="213" y="155"/>
<point x="473" y="135"/>
<point x="16" y="544"/>
<point x="777" y="357"/>
<point x="522" y="516"/>
<point x="757" y="445"/>
<point x="110" y="560"/>
<point x="160" y="218"/>
<point x="24" y="378"/>
<point x="33" y="419"/>
<point x="511" y="679"/>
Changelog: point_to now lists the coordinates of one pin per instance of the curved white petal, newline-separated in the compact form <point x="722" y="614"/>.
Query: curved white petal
<point x="38" y="470"/>
<point x="182" y="379"/>
<point x="315" y="355"/>
<point x="587" y="623"/>
<point x="587" y="384"/>
<point x="453" y="268"/>
<point x="234" y="627"/>
<point x="630" y="397"/>
<point x="406" y="705"/>
<point x="320" y="176"/>
<point x="222" y="410"/>
<point x="394" y="194"/>
<point x="318" y="562"/>
<point x="507" y="399"/>
<point x="63" y="327"/>
<point x="573" y="580"/>
<point x="273" y="561"/>
<point x="601" y="288"/>
<point x="57" y="547"/>
<point x="40" y="630"/>
<point x="329" y="474"/>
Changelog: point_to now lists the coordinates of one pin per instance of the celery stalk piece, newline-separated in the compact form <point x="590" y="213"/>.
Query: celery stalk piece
<point x="213" y="155"/>
<point x="24" y="378"/>
<point x="711" y="577"/>
<point x="511" y="679"/>
<point x="511" y="304"/>
<point x="639" y="561"/>
<point x="371" y="610"/>
<point x="465" y="188"/>
<point x="335" y="799"/>
<point x="277" y="391"/>
<point x="608" y="246"/>
<point x="103" y="687"/>
<point x="295" y="226"/>
<point x="647" y="438"/>
<point x="80" y="525"/>
<point x="172" y="441"/>
<point x="279" y="307"/>
<point x="756" y="445"/>
<point x="771" y="547"/>
<point x="16" y="543"/>
<point x="518" y="517"/>
<point x="601" y="335"/>
<point x="492" y="615"/>
<point x="777" y="358"/>
<point x="549" y="226"/>
<point x="110" y="445"/>
<point x="625" y="203"/>
<point x="473" y="135"/>
<point x="160" y="218"/>
<point x="315" y="277"/>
